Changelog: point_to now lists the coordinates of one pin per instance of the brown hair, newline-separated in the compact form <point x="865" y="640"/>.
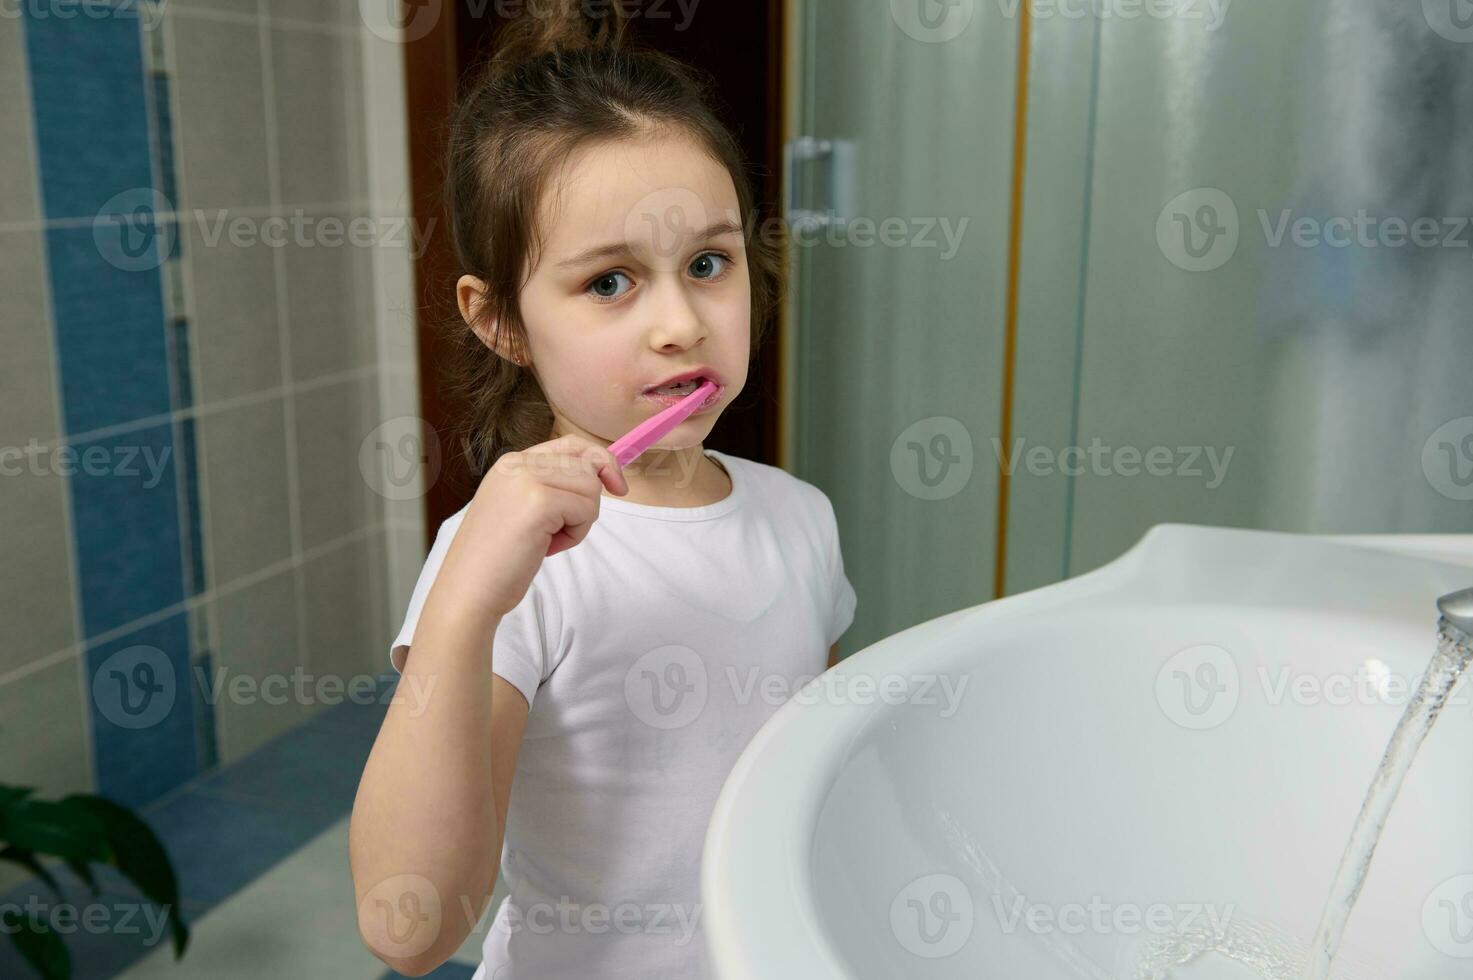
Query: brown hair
<point x="561" y="78"/>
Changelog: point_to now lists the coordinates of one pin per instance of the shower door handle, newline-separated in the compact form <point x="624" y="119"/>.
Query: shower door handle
<point x="835" y="159"/>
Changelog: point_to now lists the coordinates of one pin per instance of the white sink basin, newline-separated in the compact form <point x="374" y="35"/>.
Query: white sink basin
<point x="1187" y="731"/>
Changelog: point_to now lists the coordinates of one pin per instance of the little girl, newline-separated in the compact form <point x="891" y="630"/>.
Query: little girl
<point x="612" y="637"/>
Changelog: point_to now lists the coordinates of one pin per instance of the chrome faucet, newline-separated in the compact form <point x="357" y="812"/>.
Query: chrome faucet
<point x="1457" y="608"/>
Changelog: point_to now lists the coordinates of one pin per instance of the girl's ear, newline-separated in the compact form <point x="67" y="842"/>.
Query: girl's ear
<point x="470" y="294"/>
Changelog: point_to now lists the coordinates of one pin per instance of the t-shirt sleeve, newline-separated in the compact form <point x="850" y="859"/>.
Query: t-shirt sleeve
<point x="520" y="650"/>
<point x="844" y="600"/>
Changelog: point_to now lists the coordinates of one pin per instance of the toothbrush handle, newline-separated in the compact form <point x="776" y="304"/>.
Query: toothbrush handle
<point x="631" y="444"/>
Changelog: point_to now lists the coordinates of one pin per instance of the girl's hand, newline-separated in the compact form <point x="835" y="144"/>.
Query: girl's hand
<point x="531" y="505"/>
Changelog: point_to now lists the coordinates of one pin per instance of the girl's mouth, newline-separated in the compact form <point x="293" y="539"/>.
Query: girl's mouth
<point x="672" y="394"/>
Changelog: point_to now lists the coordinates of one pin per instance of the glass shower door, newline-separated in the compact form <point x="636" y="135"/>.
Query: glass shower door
<point x="1226" y="310"/>
<point x="898" y="200"/>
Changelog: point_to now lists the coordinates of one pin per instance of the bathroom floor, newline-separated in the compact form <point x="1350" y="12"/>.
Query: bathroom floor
<point x="261" y="851"/>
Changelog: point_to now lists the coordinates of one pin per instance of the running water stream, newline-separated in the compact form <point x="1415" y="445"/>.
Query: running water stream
<point x="1454" y="650"/>
<point x="1278" y="957"/>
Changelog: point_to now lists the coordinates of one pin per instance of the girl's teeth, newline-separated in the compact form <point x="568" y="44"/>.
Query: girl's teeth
<point x="684" y="388"/>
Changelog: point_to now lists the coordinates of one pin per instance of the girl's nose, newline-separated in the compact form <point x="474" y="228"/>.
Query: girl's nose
<point x="677" y="322"/>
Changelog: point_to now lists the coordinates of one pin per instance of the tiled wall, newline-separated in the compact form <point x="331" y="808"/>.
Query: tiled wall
<point x="187" y="383"/>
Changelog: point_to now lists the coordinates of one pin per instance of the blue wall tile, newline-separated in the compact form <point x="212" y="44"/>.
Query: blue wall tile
<point x="126" y="532"/>
<point x="110" y="339"/>
<point x="87" y="88"/>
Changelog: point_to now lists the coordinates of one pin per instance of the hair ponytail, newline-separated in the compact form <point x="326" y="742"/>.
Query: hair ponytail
<point x="550" y="27"/>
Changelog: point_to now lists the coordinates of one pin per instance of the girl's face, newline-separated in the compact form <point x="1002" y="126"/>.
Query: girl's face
<point x="642" y="276"/>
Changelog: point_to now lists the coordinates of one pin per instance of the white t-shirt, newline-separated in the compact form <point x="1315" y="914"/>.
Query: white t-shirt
<point x="650" y="653"/>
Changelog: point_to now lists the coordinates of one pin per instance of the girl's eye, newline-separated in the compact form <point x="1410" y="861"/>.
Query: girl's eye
<point x="598" y="285"/>
<point x="706" y="259"/>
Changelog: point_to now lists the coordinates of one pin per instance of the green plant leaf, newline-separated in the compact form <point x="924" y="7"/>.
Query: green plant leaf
<point x="9" y="796"/>
<point x="138" y="854"/>
<point x="85" y="873"/>
<point x="41" y="947"/>
<point x="28" y="861"/>
<point x="65" y="829"/>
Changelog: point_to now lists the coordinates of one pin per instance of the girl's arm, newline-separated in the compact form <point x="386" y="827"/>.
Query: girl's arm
<point x="429" y="819"/>
<point x="425" y="837"/>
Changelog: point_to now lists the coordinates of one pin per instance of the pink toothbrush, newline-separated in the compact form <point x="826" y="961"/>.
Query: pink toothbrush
<point x="628" y="447"/>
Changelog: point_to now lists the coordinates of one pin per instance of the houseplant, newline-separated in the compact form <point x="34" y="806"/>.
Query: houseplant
<point x="80" y="829"/>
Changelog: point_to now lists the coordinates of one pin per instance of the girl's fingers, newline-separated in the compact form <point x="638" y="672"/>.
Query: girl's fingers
<point x="576" y="453"/>
<point x="569" y="474"/>
<point x="609" y="470"/>
<point x="575" y="470"/>
<point x="576" y="512"/>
